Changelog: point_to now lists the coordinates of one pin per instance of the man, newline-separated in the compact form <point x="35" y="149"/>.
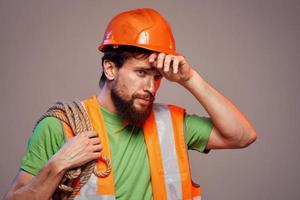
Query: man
<point x="146" y="142"/>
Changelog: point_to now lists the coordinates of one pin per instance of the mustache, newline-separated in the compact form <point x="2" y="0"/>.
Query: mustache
<point x="148" y="96"/>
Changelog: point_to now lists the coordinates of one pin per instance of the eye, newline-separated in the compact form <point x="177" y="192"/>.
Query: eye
<point x="141" y="73"/>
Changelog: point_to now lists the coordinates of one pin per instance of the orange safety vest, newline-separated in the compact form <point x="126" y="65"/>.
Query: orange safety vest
<point x="167" y="153"/>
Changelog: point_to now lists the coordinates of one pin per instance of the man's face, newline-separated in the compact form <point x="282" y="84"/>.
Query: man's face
<point x="134" y="89"/>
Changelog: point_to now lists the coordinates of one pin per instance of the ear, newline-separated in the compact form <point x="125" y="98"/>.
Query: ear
<point x="110" y="70"/>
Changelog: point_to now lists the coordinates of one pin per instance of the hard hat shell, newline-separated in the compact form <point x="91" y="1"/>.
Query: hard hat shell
<point x="144" y="28"/>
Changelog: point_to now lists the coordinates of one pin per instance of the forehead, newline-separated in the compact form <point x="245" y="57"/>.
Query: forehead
<point x="139" y="64"/>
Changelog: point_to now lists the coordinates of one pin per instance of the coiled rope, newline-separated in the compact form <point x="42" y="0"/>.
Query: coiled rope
<point x="75" y="116"/>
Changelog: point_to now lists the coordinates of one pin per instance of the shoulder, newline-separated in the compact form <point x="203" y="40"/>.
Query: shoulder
<point x="49" y="128"/>
<point x="48" y="122"/>
<point x="46" y="139"/>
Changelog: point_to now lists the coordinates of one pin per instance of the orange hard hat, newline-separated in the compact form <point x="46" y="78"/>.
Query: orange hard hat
<point x="144" y="28"/>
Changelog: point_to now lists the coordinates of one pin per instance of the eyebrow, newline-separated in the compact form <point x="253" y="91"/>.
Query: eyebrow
<point x="144" y="68"/>
<point x="148" y="69"/>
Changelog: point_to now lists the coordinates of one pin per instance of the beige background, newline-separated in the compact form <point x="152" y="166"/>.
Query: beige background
<point x="249" y="50"/>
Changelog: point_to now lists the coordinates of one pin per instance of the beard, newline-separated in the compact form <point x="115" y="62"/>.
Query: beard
<point x="126" y="109"/>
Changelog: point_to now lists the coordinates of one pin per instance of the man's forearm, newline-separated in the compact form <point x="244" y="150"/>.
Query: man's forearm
<point x="76" y="152"/>
<point x="41" y="186"/>
<point x="227" y="118"/>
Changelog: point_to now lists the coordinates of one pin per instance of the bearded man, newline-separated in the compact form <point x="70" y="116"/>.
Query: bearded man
<point x="146" y="142"/>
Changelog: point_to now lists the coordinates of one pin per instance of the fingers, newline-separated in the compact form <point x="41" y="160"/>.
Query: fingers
<point x="95" y="155"/>
<point x="175" y="65"/>
<point x="80" y="149"/>
<point x="90" y="134"/>
<point x="160" y="60"/>
<point x="97" y="148"/>
<point x="92" y="138"/>
<point x="152" y="57"/>
<point x="165" y="62"/>
<point x="95" y="140"/>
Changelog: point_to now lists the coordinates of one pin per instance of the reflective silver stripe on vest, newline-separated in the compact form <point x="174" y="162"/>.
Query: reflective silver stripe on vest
<point x="89" y="191"/>
<point x="197" y="198"/>
<point x="168" y="151"/>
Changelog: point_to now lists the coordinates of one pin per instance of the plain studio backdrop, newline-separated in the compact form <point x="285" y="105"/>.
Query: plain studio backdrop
<point x="248" y="50"/>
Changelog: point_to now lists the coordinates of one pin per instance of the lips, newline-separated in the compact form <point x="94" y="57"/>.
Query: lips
<point x="146" y="97"/>
<point x="144" y="103"/>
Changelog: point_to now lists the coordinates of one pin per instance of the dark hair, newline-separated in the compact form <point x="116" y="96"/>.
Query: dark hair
<point x="119" y="54"/>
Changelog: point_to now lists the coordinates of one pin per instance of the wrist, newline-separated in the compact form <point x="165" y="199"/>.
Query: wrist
<point x="195" y="80"/>
<point x="57" y="165"/>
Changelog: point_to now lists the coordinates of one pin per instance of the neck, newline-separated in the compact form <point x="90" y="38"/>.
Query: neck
<point x="104" y="98"/>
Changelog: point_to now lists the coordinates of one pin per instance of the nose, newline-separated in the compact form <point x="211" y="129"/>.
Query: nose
<point x="150" y="85"/>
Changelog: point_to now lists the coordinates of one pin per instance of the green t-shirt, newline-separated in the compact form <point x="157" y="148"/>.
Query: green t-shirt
<point x="128" y="149"/>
